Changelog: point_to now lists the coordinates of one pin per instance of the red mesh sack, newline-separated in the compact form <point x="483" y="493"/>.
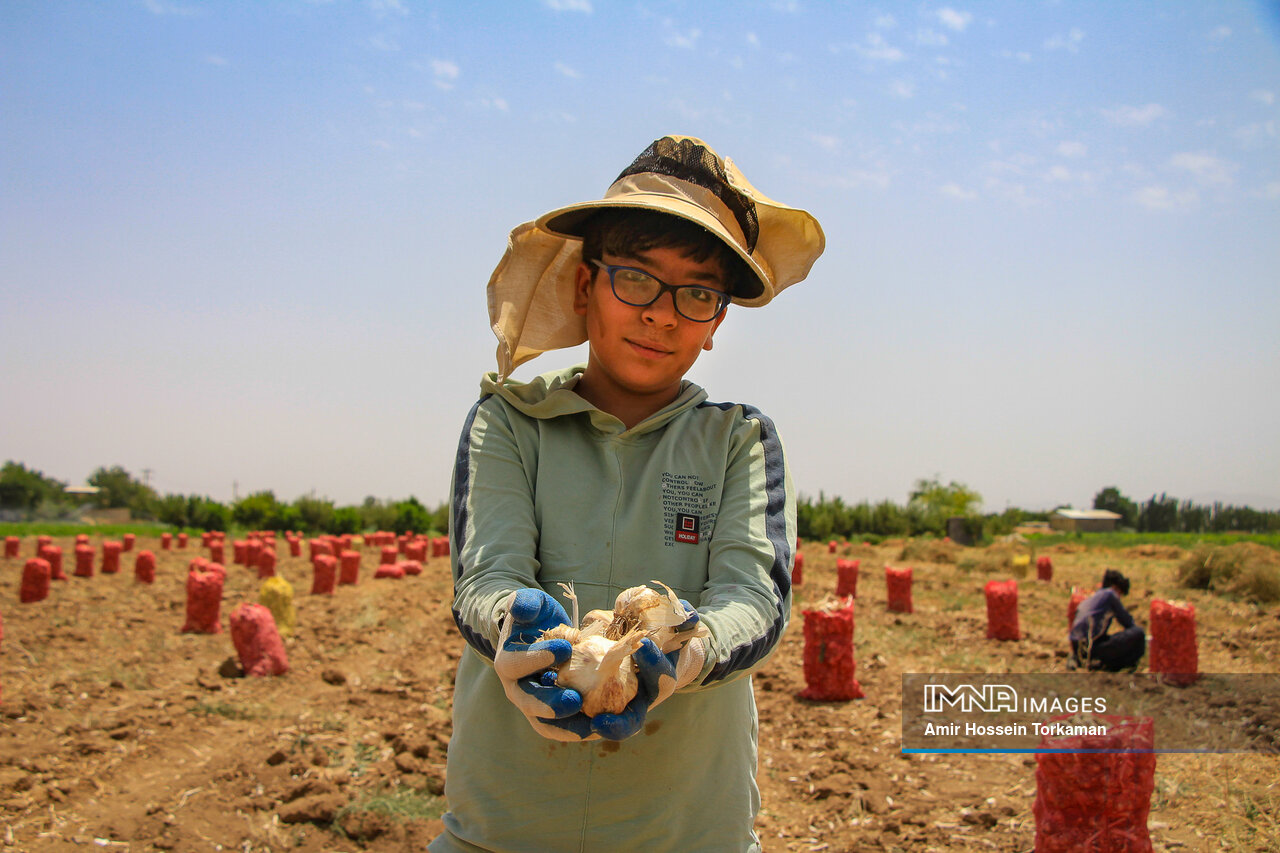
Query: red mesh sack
<point x="346" y="542"/>
<point x="797" y="570"/>
<point x="317" y="548"/>
<point x="204" y="601"/>
<point x="84" y="561"/>
<point x="411" y="567"/>
<point x="82" y="538"/>
<point x="52" y="555"/>
<point x="389" y="555"/>
<point x="166" y="541"/>
<point x="252" y="550"/>
<point x="440" y="546"/>
<point x="1173" y="642"/>
<point x="182" y="540"/>
<point x="416" y="550"/>
<point x="240" y="552"/>
<point x="898" y="582"/>
<point x="1077" y="597"/>
<point x="35" y="581"/>
<point x="324" y="574"/>
<point x="847" y="577"/>
<point x="257" y="641"/>
<point x="218" y="551"/>
<point x="1044" y="568"/>
<point x="127" y="542"/>
<point x="389" y="570"/>
<point x="12" y="546"/>
<point x="829" y="666"/>
<point x="350" y="568"/>
<point x="1002" y="610"/>
<point x="831" y="547"/>
<point x="1096" y="802"/>
<point x="266" y="564"/>
<point x="144" y="568"/>
<point x="295" y="547"/>
<point x="42" y="541"/>
<point x="111" y="557"/>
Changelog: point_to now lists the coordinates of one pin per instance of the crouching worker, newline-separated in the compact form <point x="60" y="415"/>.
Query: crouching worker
<point x="1091" y="645"/>
<point x="607" y="476"/>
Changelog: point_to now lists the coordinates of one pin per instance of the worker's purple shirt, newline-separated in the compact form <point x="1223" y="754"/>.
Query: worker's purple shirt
<point x="1095" y="614"/>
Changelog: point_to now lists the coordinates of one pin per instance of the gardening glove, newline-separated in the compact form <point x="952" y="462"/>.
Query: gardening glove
<point x="524" y="664"/>
<point x="659" y="675"/>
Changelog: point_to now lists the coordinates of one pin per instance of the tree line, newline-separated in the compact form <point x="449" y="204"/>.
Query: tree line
<point x="29" y="495"/>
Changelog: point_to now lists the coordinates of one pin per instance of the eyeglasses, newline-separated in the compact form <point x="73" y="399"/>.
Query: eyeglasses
<point x="637" y="287"/>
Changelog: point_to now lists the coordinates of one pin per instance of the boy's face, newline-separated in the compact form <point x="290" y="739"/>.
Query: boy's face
<point x="643" y="352"/>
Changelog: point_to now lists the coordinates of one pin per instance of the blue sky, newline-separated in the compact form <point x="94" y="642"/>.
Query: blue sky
<point x="247" y="243"/>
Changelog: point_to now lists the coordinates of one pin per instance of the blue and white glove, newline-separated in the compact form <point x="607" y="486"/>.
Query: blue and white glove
<point x="659" y="676"/>
<point x="522" y="659"/>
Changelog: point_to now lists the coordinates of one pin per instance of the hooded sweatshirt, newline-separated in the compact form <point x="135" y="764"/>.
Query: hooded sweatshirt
<point x="548" y="490"/>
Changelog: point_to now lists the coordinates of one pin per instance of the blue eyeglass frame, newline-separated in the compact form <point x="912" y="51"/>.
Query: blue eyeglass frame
<point x="663" y="287"/>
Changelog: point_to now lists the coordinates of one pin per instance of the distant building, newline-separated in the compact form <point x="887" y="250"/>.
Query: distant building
<point x="1083" y="520"/>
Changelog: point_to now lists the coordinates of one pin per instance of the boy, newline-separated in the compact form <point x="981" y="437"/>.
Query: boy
<point x="1091" y="646"/>
<point x="605" y="477"/>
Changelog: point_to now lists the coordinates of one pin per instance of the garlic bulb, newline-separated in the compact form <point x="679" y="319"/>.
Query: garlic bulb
<point x="601" y="667"/>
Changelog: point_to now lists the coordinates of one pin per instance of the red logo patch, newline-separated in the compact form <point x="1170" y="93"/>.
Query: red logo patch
<point x="687" y="528"/>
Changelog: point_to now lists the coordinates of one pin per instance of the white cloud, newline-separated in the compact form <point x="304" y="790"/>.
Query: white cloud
<point x="382" y="8"/>
<point x="885" y="22"/>
<point x="1207" y="169"/>
<point x="1072" y="149"/>
<point x="1270" y="191"/>
<point x="686" y="40"/>
<point x="1251" y="135"/>
<point x="383" y="42"/>
<point x="1263" y="96"/>
<point x="789" y="7"/>
<point x="215" y="59"/>
<point x="957" y="192"/>
<point x="1058" y="174"/>
<point x="1127" y="116"/>
<point x="445" y="73"/>
<point x="861" y="178"/>
<point x="877" y="48"/>
<point x="753" y="39"/>
<point x="566" y="71"/>
<point x="159" y="7"/>
<point x="825" y="141"/>
<point x="953" y="20"/>
<point x="1162" y="198"/>
<point x="1070" y="41"/>
<point x="569" y="5"/>
<point x="931" y="38"/>
<point x="902" y="89"/>
<point x="1220" y="34"/>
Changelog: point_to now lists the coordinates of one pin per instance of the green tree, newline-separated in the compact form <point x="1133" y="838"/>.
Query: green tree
<point x="932" y="503"/>
<point x="344" y="520"/>
<point x="261" y="511"/>
<point x="1112" y="500"/>
<point x="117" y="488"/>
<point x="411" y="515"/>
<point x="25" y="488"/>
<point x="315" y="515"/>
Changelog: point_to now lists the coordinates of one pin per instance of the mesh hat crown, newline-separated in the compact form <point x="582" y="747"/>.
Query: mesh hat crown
<point x="531" y="291"/>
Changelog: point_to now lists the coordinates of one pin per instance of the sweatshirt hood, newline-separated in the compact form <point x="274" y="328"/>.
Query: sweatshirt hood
<point x="552" y="395"/>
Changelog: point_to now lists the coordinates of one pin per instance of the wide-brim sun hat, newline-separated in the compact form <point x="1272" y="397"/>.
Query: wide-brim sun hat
<point x="531" y="291"/>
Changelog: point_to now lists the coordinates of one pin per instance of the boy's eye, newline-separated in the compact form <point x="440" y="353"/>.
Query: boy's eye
<point x="632" y="276"/>
<point x="702" y="294"/>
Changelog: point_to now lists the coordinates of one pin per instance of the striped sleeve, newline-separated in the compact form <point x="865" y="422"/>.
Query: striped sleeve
<point x="747" y="603"/>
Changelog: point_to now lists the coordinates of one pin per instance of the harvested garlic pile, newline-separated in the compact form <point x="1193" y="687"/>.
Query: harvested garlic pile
<point x="601" y="667"/>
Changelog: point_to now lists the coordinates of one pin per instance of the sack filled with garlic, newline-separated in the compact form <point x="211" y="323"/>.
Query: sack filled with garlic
<point x="601" y="668"/>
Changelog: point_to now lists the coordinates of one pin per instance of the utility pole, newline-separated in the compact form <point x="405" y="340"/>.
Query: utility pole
<point x="235" y="490"/>
<point x="146" y="477"/>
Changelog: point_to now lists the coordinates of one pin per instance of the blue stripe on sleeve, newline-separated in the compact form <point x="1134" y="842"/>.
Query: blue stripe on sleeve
<point x="775" y="485"/>
<point x="461" y="492"/>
